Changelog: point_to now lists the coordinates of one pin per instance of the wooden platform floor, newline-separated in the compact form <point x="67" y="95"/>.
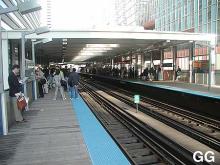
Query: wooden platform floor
<point x="51" y="136"/>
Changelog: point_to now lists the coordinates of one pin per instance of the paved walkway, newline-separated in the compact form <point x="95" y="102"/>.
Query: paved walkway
<point x="50" y="137"/>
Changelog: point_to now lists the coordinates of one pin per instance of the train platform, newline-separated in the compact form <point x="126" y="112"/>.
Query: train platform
<point x="101" y="147"/>
<point x="57" y="132"/>
<point x="51" y="135"/>
<point x="190" y="88"/>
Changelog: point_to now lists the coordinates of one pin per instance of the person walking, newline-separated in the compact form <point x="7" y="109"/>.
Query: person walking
<point x="15" y="89"/>
<point x="57" y="81"/>
<point x="73" y="82"/>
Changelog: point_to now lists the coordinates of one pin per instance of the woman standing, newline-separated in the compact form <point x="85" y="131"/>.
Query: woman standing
<point x="57" y="81"/>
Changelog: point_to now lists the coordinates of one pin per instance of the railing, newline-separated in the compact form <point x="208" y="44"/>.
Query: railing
<point x="201" y="78"/>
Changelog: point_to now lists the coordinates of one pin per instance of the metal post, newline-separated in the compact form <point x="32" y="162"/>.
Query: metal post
<point x="136" y="107"/>
<point x="210" y="70"/>
<point x="112" y="63"/>
<point x="22" y="72"/>
<point x="151" y="59"/>
<point x="4" y="114"/>
<point x="2" y="95"/>
<point x="174" y="51"/>
<point x="1" y="61"/>
<point x="161" y="62"/>
<point x="211" y="76"/>
<point x="35" y="82"/>
<point x="191" y="73"/>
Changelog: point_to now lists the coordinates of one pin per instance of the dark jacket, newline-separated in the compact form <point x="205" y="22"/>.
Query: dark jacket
<point x="73" y="79"/>
<point x="14" y="85"/>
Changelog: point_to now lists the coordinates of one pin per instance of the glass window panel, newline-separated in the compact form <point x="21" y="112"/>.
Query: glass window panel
<point x="185" y="22"/>
<point x="214" y="1"/>
<point x="204" y="15"/>
<point x="204" y="28"/>
<point x="209" y="13"/>
<point x="213" y="27"/>
<point x="200" y="4"/>
<point x="219" y="9"/>
<point x="214" y="12"/>
<point x="204" y="3"/>
<point x="200" y="17"/>
<point x="218" y="25"/>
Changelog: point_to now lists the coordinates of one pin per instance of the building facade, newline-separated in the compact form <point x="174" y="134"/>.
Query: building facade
<point x="130" y="12"/>
<point x="46" y="19"/>
<point x="199" y="16"/>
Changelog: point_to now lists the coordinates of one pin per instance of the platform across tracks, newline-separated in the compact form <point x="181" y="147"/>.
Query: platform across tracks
<point x="199" y="102"/>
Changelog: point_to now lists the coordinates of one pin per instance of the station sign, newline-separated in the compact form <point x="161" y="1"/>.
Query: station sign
<point x="167" y="65"/>
<point x="136" y="99"/>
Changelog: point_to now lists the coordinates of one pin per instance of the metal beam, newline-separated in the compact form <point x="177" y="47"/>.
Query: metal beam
<point x="110" y="36"/>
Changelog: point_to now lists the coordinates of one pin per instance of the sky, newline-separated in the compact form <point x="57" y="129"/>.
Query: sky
<point x="67" y="14"/>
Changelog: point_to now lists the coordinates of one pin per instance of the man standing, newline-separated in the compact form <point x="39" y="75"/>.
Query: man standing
<point x="73" y="82"/>
<point x="41" y="81"/>
<point x="14" y="91"/>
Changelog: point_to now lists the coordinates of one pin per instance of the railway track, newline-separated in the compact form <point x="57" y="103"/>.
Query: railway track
<point x="141" y="144"/>
<point x="203" y="129"/>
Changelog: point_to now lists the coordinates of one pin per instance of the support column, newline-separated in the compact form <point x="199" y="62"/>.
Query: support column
<point x="135" y="65"/>
<point x="191" y="53"/>
<point x="22" y="62"/>
<point x="1" y="61"/>
<point x="161" y="62"/>
<point x="151" y="59"/>
<point x="34" y="81"/>
<point x="212" y="64"/>
<point x="142" y="62"/>
<point x="174" y="51"/>
<point x="4" y="115"/>
<point x="2" y="110"/>
<point x="112" y="63"/>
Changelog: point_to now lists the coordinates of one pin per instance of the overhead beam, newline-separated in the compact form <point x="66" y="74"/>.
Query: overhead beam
<point x="108" y="35"/>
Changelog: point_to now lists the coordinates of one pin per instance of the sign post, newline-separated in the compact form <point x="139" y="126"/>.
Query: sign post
<point x="136" y="101"/>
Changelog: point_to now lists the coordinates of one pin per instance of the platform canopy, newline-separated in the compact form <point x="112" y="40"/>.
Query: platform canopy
<point x="81" y="45"/>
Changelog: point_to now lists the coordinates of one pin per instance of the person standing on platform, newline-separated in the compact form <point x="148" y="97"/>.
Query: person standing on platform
<point x="41" y="81"/>
<point x="73" y="82"/>
<point x="15" y="89"/>
<point x="178" y="73"/>
<point x="57" y="80"/>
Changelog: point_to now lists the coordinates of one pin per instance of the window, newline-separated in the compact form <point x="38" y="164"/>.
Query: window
<point x="200" y="4"/>
<point x="200" y="17"/>
<point x="209" y="13"/>
<point x="209" y="2"/>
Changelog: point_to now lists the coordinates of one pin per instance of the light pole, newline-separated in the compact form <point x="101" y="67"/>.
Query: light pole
<point x="23" y="8"/>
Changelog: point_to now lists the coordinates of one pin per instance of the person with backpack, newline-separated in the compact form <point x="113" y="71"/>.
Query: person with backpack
<point x="57" y="81"/>
<point x="73" y="82"/>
